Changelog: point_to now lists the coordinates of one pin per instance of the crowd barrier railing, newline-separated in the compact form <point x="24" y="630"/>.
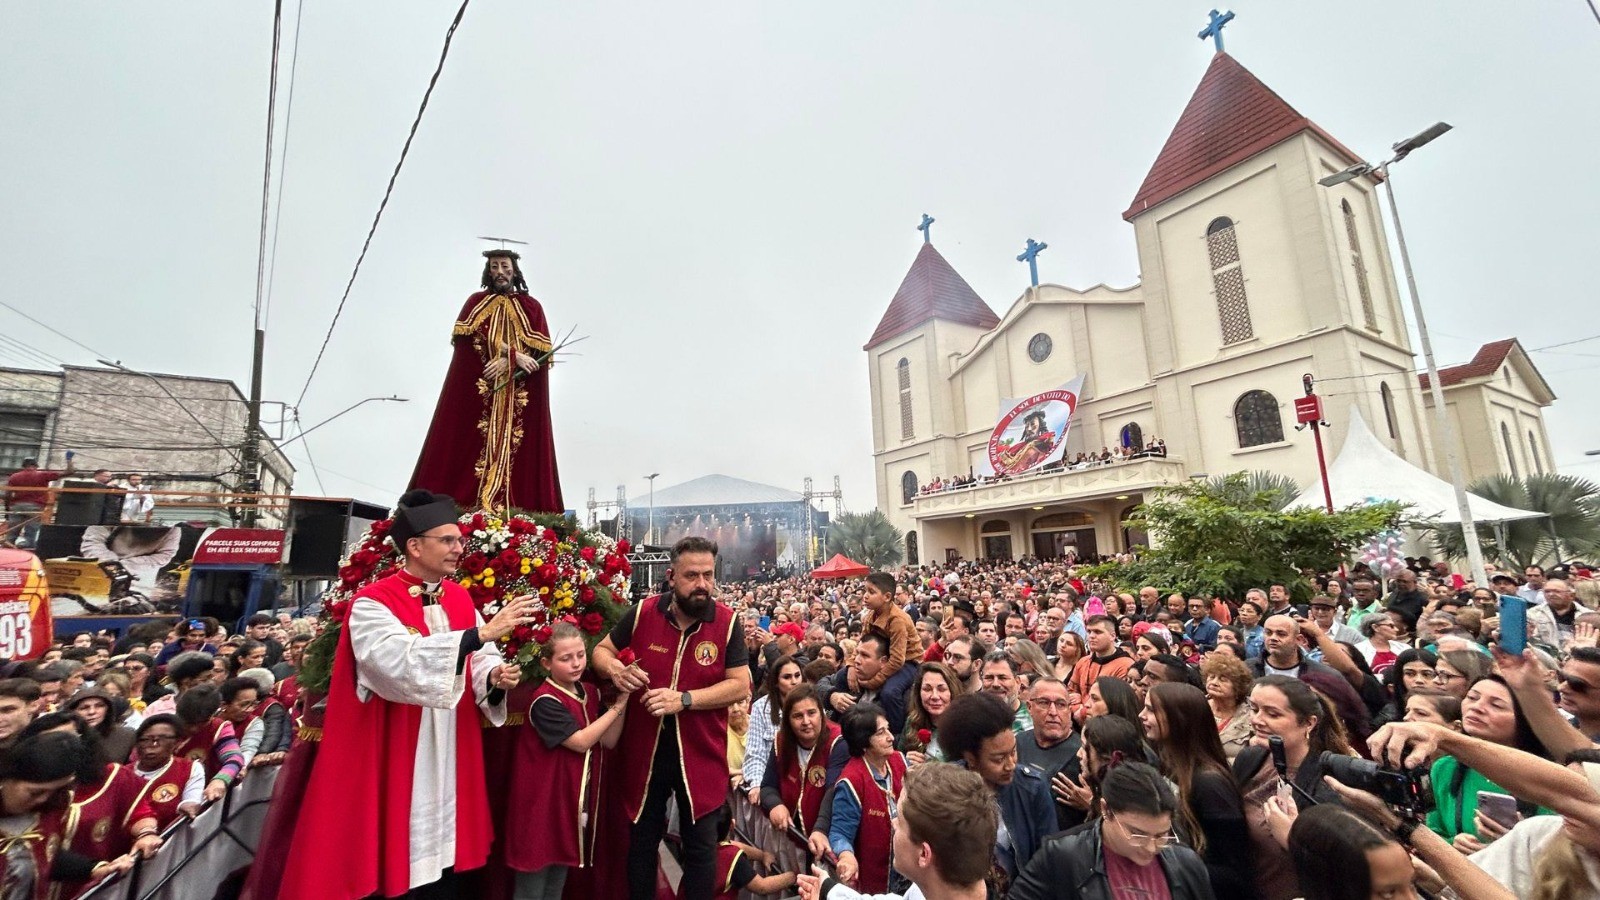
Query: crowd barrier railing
<point x="204" y="850"/>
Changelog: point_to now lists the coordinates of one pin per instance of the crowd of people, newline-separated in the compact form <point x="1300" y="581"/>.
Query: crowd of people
<point x="1082" y="460"/>
<point x="1238" y="720"/>
<point x="107" y="741"/>
<point x="994" y="728"/>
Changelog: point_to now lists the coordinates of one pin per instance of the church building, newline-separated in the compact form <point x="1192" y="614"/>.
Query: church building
<point x="1253" y="275"/>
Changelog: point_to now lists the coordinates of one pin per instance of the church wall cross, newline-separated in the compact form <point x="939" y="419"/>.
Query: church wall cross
<point x="1214" y="30"/>
<point x="1031" y="257"/>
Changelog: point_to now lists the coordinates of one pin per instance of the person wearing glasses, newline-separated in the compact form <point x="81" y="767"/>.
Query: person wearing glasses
<point x="865" y="800"/>
<point x="397" y="797"/>
<point x="1130" y="851"/>
<point x="977" y="732"/>
<point x="174" y="786"/>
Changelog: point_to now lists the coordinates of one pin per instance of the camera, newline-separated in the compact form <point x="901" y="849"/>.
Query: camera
<point x="1401" y="789"/>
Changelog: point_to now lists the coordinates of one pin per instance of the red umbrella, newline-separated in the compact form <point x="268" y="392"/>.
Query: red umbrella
<point x="840" y="566"/>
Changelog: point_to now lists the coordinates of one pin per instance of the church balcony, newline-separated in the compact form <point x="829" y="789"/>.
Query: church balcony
<point x="1062" y="485"/>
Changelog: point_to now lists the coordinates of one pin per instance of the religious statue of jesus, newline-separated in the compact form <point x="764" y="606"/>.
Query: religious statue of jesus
<point x="490" y="443"/>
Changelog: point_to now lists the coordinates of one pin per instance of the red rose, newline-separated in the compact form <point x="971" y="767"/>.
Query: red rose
<point x="352" y="573"/>
<point x="626" y="656"/>
<point x="925" y="736"/>
<point x="478" y="522"/>
<point x="587" y="554"/>
<point x="381" y="527"/>
<point x="474" y="563"/>
<point x="522" y="634"/>
<point x="541" y="635"/>
<point x="586" y="594"/>
<point x="623" y="547"/>
<point x="592" y="622"/>
<point x="508" y="561"/>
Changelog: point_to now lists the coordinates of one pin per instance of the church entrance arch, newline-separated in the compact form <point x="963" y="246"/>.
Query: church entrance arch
<point x="1062" y="534"/>
<point x="997" y="540"/>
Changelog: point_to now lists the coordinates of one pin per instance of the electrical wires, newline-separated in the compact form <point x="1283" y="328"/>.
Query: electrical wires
<point x="443" y="54"/>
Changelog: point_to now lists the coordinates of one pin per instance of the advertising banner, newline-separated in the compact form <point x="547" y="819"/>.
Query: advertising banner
<point x="139" y="569"/>
<point x="1032" y="431"/>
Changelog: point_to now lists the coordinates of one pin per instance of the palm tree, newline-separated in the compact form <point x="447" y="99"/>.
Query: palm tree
<point x="868" y="538"/>
<point x="1267" y="491"/>
<point x="1572" y="517"/>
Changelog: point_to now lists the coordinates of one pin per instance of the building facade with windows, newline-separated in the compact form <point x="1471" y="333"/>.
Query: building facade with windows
<point x="182" y="433"/>
<point x="1253" y="275"/>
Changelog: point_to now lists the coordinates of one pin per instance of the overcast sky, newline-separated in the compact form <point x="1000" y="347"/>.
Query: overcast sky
<point x="723" y="195"/>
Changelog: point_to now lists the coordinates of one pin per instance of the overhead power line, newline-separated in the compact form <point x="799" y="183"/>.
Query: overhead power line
<point x="415" y="123"/>
<point x="60" y="334"/>
<point x="283" y="161"/>
<point x="266" y="166"/>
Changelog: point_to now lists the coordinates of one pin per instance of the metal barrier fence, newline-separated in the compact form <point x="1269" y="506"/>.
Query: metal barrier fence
<point x="204" y="850"/>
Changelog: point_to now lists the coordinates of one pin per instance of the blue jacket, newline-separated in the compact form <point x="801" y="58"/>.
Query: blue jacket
<point x="1028" y="811"/>
<point x="1203" y="633"/>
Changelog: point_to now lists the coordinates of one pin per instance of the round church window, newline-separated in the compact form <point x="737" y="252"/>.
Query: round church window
<point x="1039" y="347"/>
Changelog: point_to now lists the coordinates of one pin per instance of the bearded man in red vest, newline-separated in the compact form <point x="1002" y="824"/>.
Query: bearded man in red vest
<point x="688" y="668"/>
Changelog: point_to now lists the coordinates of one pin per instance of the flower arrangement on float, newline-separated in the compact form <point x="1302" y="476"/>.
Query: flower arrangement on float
<point x="576" y="575"/>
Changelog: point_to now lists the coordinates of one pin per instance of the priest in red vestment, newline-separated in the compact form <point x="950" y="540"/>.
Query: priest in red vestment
<point x="490" y="444"/>
<point x="395" y="804"/>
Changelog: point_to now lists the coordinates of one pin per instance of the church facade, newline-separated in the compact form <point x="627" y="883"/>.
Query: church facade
<point x="1252" y="275"/>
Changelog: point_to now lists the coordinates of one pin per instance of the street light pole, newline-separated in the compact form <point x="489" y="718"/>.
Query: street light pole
<point x="1447" y="431"/>
<point x="650" y="525"/>
<point x="1447" y="428"/>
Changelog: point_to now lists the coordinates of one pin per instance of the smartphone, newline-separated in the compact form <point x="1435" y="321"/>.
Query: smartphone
<point x="1502" y="808"/>
<point x="1513" y="624"/>
<point x="766" y="623"/>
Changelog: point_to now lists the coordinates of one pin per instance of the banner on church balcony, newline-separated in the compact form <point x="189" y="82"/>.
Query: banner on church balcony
<point x="1032" y="431"/>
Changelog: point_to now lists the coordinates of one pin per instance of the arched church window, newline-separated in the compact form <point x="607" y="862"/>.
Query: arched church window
<point x="1257" y="420"/>
<point x="1132" y="436"/>
<point x="1511" y="450"/>
<point x="1388" y="411"/>
<point x="911" y="549"/>
<point x="903" y="373"/>
<point x="1533" y="453"/>
<point x="909" y="485"/>
<point x="1368" y="314"/>
<point x="1227" y="281"/>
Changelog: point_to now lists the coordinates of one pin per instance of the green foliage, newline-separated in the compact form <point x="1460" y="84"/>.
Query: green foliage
<point x="868" y="538"/>
<point x="1573" y="507"/>
<point x="1230" y="534"/>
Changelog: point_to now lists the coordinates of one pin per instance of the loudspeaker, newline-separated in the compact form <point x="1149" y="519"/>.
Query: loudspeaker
<point x="320" y="531"/>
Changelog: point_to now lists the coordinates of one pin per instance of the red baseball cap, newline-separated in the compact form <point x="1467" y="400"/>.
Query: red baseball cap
<point x="792" y="629"/>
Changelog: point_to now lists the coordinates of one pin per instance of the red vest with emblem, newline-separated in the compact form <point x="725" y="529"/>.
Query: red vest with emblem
<point x="683" y="661"/>
<point x="803" y="795"/>
<point x="97" y="821"/>
<point x="874" y="837"/>
<point x="43" y="842"/>
<point x="202" y="746"/>
<point x="164" y="792"/>
<point x="560" y="784"/>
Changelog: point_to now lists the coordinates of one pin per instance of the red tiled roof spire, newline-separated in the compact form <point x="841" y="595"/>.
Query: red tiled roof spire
<point x="932" y="289"/>
<point x="1231" y="117"/>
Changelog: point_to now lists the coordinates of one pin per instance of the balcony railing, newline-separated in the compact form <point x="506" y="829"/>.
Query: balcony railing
<point x="1053" y="487"/>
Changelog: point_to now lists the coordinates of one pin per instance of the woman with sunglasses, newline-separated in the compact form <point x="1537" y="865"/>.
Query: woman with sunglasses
<point x="1129" y="851"/>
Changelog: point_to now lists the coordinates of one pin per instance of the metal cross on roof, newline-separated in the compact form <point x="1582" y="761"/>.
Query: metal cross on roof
<point x="1214" y="30"/>
<point x="1031" y="257"/>
<point x="926" y="228"/>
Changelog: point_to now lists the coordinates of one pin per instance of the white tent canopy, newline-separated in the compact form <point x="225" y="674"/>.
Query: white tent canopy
<point x="1366" y="470"/>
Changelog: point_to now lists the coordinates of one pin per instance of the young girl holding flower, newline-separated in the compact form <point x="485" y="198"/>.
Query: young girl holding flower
<point x="556" y="776"/>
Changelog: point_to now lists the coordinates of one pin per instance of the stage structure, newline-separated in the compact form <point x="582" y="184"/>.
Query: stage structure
<point x="618" y="520"/>
<point x="813" y="546"/>
<point x="761" y="530"/>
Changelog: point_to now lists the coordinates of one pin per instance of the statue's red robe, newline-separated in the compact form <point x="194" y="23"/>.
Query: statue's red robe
<point x="490" y="445"/>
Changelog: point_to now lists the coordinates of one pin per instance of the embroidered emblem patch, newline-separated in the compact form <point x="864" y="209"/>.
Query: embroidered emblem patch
<point x="816" y="775"/>
<point x="101" y="829"/>
<point x="164" y="793"/>
<point x="705" y="653"/>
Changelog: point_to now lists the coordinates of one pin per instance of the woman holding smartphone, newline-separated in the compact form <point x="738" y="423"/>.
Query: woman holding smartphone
<point x="1489" y="712"/>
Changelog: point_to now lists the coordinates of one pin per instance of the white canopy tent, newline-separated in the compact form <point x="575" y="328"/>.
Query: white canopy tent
<point x="1366" y="470"/>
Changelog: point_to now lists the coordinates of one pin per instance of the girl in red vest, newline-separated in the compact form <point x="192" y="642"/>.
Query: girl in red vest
<point x="36" y="775"/>
<point x="865" y="802"/>
<point x="555" y="781"/>
<point x="806" y="759"/>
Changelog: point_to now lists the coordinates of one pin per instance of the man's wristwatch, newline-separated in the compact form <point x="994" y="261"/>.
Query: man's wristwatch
<point x="688" y="701"/>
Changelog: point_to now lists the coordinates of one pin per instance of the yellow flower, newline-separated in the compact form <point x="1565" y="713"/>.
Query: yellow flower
<point x="538" y="561"/>
<point x="526" y="567"/>
<point x="489" y="581"/>
<point x="544" y="590"/>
